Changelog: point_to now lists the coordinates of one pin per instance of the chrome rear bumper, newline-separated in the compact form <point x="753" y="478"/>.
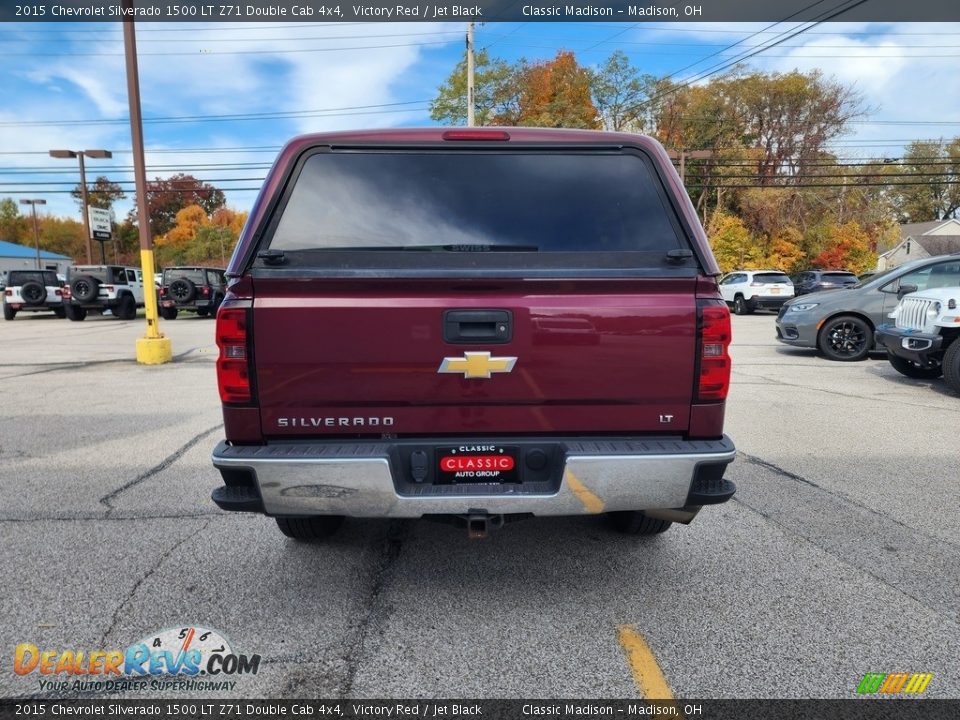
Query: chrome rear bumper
<point x="357" y="479"/>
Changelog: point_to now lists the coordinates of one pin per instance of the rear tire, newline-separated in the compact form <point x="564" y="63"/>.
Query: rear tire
<point x="635" y="522"/>
<point x="74" y="313"/>
<point x="60" y="312"/>
<point x="740" y="306"/>
<point x="8" y="312"/>
<point x="951" y="366"/>
<point x="912" y="370"/>
<point x="168" y="313"/>
<point x="306" y="529"/>
<point x="126" y="308"/>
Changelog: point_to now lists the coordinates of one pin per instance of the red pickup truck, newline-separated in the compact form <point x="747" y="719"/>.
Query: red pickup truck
<point x="476" y="324"/>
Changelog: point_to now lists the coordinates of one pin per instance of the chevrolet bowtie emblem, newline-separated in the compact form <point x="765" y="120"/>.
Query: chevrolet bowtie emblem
<point x="477" y="365"/>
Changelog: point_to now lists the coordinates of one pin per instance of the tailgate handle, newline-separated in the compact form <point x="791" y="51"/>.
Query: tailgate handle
<point x="477" y="326"/>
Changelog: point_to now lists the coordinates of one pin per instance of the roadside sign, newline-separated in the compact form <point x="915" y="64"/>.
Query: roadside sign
<point x="100" y="227"/>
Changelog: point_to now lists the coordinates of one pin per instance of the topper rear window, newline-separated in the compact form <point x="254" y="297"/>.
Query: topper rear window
<point x="463" y="203"/>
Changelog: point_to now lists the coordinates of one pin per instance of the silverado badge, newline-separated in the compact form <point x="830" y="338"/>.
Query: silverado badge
<point x="477" y="365"/>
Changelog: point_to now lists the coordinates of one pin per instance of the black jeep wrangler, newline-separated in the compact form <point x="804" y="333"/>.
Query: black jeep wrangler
<point x="197" y="289"/>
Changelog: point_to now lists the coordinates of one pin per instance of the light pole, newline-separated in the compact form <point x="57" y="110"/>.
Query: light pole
<point x="36" y="230"/>
<point x="103" y="154"/>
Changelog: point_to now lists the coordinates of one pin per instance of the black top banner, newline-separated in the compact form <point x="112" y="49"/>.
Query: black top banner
<point x="633" y="11"/>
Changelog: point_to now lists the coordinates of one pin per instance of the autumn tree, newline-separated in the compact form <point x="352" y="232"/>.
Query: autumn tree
<point x="102" y="194"/>
<point x="168" y="196"/>
<point x="62" y="235"/>
<point x="846" y="247"/>
<point x="732" y="244"/>
<point x="546" y="93"/>
<point x="554" y="93"/>
<point x="199" y="238"/>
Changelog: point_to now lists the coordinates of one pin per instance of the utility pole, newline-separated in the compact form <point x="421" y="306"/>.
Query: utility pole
<point x="471" y="120"/>
<point x="682" y="155"/>
<point x="154" y="348"/>
<point x="36" y="228"/>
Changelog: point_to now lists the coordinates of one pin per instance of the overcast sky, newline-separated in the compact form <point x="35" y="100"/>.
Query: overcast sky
<point x="64" y="86"/>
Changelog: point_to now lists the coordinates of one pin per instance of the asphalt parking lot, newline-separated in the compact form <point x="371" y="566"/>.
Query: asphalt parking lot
<point x="839" y="555"/>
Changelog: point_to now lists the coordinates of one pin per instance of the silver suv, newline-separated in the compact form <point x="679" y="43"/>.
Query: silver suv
<point x="842" y="324"/>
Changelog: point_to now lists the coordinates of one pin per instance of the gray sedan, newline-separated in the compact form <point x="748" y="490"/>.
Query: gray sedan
<point x="841" y="323"/>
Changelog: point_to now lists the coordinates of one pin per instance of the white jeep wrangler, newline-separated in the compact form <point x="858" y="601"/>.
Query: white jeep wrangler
<point x="32" y="291"/>
<point x="103" y="287"/>
<point x="923" y="342"/>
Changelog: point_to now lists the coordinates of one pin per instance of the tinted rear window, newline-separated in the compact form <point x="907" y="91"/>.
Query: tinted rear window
<point x="19" y="277"/>
<point x="839" y="277"/>
<point x="460" y="202"/>
<point x="195" y="276"/>
<point x="771" y="278"/>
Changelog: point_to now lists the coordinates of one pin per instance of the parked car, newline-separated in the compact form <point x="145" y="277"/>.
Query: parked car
<point x="193" y="289"/>
<point x="392" y="347"/>
<point x="810" y="281"/>
<point x="842" y="325"/>
<point x="99" y="288"/>
<point x="749" y="290"/>
<point x="924" y="341"/>
<point x="32" y="291"/>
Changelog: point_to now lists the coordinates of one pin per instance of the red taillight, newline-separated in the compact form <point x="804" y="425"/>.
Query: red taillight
<point x="715" y="337"/>
<point x="233" y="365"/>
<point x="163" y="292"/>
<point x="66" y="292"/>
<point x="476" y="135"/>
<point x="206" y="291"/>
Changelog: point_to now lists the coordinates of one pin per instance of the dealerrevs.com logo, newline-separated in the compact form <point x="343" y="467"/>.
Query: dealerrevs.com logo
<point x="186" y="658"/>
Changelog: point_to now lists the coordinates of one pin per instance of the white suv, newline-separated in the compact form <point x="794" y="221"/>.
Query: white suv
<point x="103" y="287"/>
<point x="749" y="290"/>
<point x="32" y="291"/>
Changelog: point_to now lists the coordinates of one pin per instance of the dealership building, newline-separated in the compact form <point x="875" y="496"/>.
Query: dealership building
<point x="23" y="257"/>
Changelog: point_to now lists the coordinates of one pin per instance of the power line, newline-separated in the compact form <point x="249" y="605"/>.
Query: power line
<point x="279" y="115"/>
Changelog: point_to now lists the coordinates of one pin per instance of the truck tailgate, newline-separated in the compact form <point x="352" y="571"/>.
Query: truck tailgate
<point x="363" y="357"/>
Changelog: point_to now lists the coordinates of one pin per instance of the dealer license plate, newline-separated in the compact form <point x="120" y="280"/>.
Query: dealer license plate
<point x="478" y="464"/>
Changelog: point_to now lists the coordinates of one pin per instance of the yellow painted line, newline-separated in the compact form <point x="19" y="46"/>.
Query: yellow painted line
<point x="591" y="503"/>
<point x="644" y="666"/>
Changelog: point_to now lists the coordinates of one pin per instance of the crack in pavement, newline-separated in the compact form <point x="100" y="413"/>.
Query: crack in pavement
<point x="753" y="460"/>
<point x="398" y="531"/>
<point x="60" y="367"/>
<point x="163" y="465"/>
<point x="837" y="393"/>
<point x="843" y="528"/>
<point x="146" y="576"/>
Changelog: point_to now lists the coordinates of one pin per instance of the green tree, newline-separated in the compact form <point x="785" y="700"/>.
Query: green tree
<point x="494" y="92"/>
<point x="13" y="226"/>
<point x="619" y="93"/>
<point x="102" y="194"/>
<point x="936" y="194"/>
